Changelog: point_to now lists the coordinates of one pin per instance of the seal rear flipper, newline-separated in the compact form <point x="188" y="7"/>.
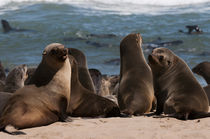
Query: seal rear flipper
<point x="5" y="25"/>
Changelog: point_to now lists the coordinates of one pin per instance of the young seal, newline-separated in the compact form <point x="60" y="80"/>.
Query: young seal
<point x="105" y="85"/>
<point x="15" y="79"/>
<point x="177" y="91"/>
<point x="203" y="69"/>
<point x="33" y="106"/>
<point x="84" y="103"/>
<point x="84" y="75"/>
<point x="136" y="92"/>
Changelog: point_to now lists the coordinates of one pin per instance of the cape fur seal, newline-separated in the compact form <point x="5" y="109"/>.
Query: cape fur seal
<point x="105" y="85"/>
<point x="84" y="103"/>
<point x="15" y="79"/>
<point x="135" y="93"/>
<point x="203" y="69"/>
<point x="177" y="91"/>
<point x="7" y="28"/>
<point x="2" y="73"/>
<point x="84" y="75"/>
<point x="33" y="106"/>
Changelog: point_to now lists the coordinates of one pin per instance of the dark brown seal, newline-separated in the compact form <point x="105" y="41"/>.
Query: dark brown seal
<point x="84" y="103"/>
<point x="33" y="106"/>
<point x="136" y="92"/>
<point x="30" y="72"/>
<point x="16" y="78"/>
<point x="177" y="91"/>
<point x="203" y="69"/>
<point x="2" y="73"/>
<point x="84" y="75"/>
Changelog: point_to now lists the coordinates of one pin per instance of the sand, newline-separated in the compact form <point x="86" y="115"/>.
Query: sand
<point x="119" y="128"/>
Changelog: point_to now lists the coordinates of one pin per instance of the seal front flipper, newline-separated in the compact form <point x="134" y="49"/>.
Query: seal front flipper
<point x="5" y="25"/>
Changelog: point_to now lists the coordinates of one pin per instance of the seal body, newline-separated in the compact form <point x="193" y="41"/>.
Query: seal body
<point x="84" y="103"/>
<point x="2" y="73"/>
<point x="203" y="69"/>
<point x="136" y="92"/>
<point x="177" y="91"/>
<point x="16" y="79"/>
<point x="84" y="75"/>
<point x="33" y="105"/>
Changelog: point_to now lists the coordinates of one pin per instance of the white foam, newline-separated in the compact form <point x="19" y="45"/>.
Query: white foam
<point x="119" y="6"/>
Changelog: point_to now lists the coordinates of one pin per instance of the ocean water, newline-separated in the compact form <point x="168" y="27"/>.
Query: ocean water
<point x="97" y="26"/>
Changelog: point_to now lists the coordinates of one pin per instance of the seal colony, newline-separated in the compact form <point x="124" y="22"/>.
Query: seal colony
<point x="62" y="86"/>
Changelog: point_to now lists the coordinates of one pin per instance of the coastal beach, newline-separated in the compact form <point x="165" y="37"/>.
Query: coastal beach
<point x="96" y="27"/>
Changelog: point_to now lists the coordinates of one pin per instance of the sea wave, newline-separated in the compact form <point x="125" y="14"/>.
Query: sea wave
<point x="139" y="2"/>
<point x="118" y="6"/>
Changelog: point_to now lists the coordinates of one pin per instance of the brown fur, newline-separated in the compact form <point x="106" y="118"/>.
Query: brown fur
<point x="30" y="73"/>
<point x="2" y="73"/>
<point x="207" y="90"/>
<point x="135" y="94"/>
<point x="4" y="97"/>
<point x="84" y="75"/>
<point x="203" y="69"/>
<point x="177" y="91"/>
<point x="16" y="78"/>
<point x="105" y="84"/>
<point x="85" y="103"/>
<point x="33" y="106"/>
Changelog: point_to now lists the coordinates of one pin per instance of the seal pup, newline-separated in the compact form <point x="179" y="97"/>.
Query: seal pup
<point x="104" y="84"/>
<point x="177" y="91"/>
<point x="84" y="75"/>
<point x="33" y="106"/>
<point x="135" y="93"/>
<point x="7" y="28"/>
<point x="84" y="103"/>
<point x="203" y="69"/>
<point x="2" y="73"/>
<point x="16" y="78"/>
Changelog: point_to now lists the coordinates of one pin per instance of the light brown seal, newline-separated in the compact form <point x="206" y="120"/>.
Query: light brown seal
<point x="16" y="78"/>
<point x="136" y="92"/>
<point x="33" y="106"/>
<point x="203" y="69"/>
<point x="84" y="103"/>
<point x="84" y="75"/>
<point x="177" y="91"/>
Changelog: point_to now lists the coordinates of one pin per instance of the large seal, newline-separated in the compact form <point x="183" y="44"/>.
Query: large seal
<point x="84" y="75"/>
<point x="177" y="91"/>
<point x="136" y="92"/>
<point x="16" y="78"/>
<point x="33" y="106"/>
<point x="203" y="69"/>
<point x="84" y="103"/>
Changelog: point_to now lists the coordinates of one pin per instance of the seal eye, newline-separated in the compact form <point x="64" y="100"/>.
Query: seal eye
<point x="161" y="58"/>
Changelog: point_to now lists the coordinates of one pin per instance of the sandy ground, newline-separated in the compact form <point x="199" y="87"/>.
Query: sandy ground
<point x="119" y="128"/>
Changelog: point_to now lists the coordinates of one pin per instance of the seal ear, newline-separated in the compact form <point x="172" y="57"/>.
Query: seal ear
<point x="44" y="53"/>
